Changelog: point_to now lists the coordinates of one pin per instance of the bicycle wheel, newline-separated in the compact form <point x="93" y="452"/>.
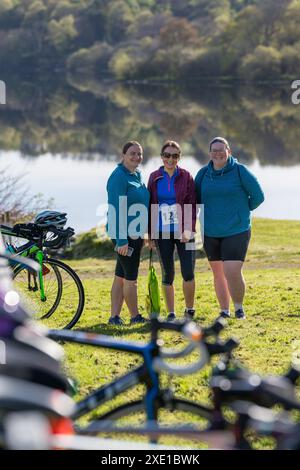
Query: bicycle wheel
<point x="68" y="306"/>
<point x="27" y="284"/>
<point x="176" y="412"/>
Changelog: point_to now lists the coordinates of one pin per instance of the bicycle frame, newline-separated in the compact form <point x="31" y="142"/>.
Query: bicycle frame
<point x="149" y="372"/>
<point x="33" y="251"/>
<point x="144" y="374"/>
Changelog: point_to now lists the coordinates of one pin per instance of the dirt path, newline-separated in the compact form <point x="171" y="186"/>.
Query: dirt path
<point x="85" y="273"/>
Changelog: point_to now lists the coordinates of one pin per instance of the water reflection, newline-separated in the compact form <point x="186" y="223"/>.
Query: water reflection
<point x="87" y="120"/>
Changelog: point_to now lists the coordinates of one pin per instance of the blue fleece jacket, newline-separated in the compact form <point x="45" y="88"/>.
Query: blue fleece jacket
<point x="228" y="196"/>
<point x="122" y="213"/>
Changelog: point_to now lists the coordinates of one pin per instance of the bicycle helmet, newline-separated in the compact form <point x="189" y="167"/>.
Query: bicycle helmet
<point x="54" y="218"/>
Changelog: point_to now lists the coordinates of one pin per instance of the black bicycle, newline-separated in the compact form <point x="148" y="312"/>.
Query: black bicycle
<point x="159" y="404"/>
<point x="160" y="412"/>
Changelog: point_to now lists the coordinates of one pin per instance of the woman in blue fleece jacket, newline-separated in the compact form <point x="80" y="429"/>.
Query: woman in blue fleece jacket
<point x="127" y="222"/>
<point x="229" y="192"/>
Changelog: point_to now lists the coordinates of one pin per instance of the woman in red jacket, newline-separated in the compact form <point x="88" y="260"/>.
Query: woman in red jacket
<point x="172" y="223"/>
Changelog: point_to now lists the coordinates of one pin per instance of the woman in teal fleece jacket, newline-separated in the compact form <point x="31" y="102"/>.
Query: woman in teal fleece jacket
<point x="229" y="192"/>
<point x="127" y="222"/>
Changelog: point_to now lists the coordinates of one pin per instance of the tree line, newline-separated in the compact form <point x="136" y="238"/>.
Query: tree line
<point x="153" y="39"/>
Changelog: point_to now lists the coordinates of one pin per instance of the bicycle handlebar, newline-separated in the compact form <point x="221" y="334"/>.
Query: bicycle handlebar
<point x="160" y="365"/>
<point x="195" y="334"/>
<point x="36" y="233"/>
<point x="211" y="349"/>
<point x="157" y="325"/>
<point x="175" y="354"/>
<point x="188" y="331"/>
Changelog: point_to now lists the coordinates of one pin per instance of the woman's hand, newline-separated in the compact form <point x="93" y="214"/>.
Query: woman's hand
<point x="186" y="236"/>
<point x="123" y="250"/>
<point x="151" y="244"/>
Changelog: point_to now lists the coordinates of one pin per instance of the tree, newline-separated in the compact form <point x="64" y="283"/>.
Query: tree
<point x="241" y="36"/>
<point x="92" y="60"/>
<point x="121" y="63"/>
<point x="291" y="60"/>
<point x="62" y="32"/>
<point x="263" y="64"/>
<point x="273" y="11"/>
<point x="16" y="204"/>
<point x="290" y="32"/>
<point x="119" y="18"/>
<point x="6" y="5"/>
<point x="178" y="31"/>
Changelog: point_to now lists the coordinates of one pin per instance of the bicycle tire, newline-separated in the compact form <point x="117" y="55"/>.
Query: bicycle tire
<point x="20" y="269"/>
<point x="138" y="406"/>
<point x="62" y="269"/>
<point x="80" y="290"/>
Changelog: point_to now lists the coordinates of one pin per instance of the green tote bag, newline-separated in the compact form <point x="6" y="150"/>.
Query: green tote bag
<point x="153" y="295"/>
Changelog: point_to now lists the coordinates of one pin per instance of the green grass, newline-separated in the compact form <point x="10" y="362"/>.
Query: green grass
<point x="268" y="337"/>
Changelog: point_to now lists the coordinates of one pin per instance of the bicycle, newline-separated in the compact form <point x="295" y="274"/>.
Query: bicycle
<point x="56" y="288"/>
<point x="249" y="396"/>
<point x="230" y="384"/>
<point x="155" y="357"/>
<point x="149" y="373"/>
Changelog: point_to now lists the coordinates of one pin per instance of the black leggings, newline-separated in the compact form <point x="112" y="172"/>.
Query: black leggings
<point x="187" y="257"/>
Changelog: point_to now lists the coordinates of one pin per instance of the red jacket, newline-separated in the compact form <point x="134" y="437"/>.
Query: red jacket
<point x="185" y="194"/>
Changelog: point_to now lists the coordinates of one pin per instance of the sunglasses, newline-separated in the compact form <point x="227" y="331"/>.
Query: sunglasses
<point x="175" y="156"/>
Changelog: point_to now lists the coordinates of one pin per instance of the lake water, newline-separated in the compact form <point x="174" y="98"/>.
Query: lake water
<point x="66" y="136"/>
<point x="78" y="186"/>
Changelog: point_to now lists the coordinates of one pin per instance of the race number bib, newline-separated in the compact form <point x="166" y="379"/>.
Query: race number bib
<point x="169" y="215"/>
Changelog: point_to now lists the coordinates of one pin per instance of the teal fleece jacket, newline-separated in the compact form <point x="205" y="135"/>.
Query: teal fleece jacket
<point x="228" y="196"/>
<point x="121" y="212"/>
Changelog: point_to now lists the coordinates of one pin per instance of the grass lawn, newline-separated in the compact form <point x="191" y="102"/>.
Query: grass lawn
<point x="269" y="336"/>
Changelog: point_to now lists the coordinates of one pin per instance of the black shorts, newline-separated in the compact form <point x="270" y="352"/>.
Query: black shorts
<point x="233" y="248"/>
<point x="128" y="266"/>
